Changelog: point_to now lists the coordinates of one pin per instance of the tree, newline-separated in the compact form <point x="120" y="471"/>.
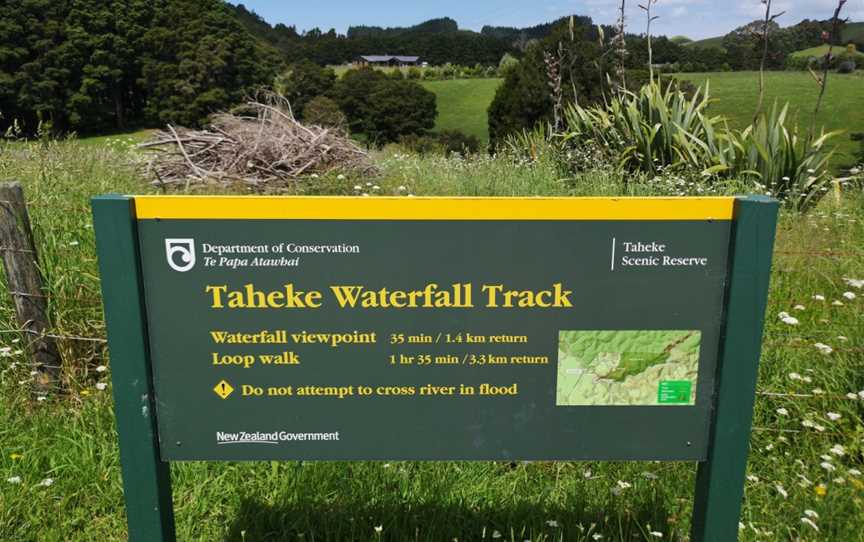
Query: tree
<point x="304" y="81"/>
<point x="89" y="65"/>
<point x="353" y="92"/>
<point x="399" y="108"/>
<point x="524" y="98"/>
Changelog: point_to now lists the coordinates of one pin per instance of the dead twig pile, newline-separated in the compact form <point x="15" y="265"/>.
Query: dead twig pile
<point x="262" y="145"/>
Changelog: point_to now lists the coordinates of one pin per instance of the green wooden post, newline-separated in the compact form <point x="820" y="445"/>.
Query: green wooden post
<point x="720" y="479"/>
<point x="146" y="478"/>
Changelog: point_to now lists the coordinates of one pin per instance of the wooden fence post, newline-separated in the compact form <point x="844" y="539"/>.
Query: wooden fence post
<point x="24" y="281"/>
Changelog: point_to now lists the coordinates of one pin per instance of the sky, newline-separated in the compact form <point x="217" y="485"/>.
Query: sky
<point x="693" y="18"/>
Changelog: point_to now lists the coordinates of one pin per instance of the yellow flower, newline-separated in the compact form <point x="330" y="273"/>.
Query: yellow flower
<point x="821" y="490"/>
<point x="85" y="392"/>
<point x="15" y="457"/>
<point x="857" y="483"/>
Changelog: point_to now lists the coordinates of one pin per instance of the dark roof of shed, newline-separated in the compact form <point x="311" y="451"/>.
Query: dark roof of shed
<point x="388" y="58"/>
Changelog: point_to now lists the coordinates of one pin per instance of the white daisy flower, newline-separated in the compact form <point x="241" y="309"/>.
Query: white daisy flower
<point x="833" y="416"/>
<point x="823" y="348"/>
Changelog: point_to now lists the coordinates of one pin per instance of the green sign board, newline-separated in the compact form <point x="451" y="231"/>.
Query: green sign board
<point x="434" y="329"/>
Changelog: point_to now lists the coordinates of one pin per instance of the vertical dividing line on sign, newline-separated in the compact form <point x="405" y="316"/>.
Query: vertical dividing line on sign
<point x="612" y="268"/>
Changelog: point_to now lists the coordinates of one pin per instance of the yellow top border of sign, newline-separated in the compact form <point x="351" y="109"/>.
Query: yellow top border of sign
<point x="426" y="208"/>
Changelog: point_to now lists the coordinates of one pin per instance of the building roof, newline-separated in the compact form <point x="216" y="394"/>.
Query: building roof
<point x="388" y="58"/>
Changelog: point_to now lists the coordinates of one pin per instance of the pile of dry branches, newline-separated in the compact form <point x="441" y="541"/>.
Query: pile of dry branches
<point x="262" y="145"/>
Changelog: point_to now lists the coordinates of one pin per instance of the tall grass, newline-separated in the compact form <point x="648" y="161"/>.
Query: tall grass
<point x="69" y="437"/>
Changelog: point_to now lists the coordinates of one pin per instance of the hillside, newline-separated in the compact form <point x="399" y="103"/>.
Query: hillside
<point x="822" y="50"/>
<point x="437" y="41"/>
<point x="851" y="32"/>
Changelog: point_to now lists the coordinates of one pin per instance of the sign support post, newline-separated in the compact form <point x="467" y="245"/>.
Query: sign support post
<point x="146" y="478"/>
<point x="720" y="479"/>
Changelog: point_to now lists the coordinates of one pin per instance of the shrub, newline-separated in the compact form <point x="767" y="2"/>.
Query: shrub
<point x="847" y="66"/>
<point x="414" y="73"/>
<point x="420" y="144"/>
<point x="322" y="111"/>
<point x="304" y="81"/>
<point x="456" y="142"/>
<point x="657" y="129"/>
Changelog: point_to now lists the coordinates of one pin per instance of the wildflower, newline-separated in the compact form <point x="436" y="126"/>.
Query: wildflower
<point x="752" y="478"/>
<point x="838" y="450"/>
<point x="821" y="490"/>
<point x="842" y="338"/>
<point x="496" y="534"/>
<point x="656" y="534"/>
<point x="41" y="398"/>
<point x="809" y="522"/>
<point x="811" y="514"/>
<point x="379" y="529"/>
<point x="552" y="523"/>
<point x="596" y="536"/>
<point x="794" y="376"/>
<point x="624" y="485"/>
<point x="85" y="392"/>
<point x="376" y="187"/>
<point x="402" y="188"/>
<point x="799" y="307"/>
<point x="15" y="457"/>
<point x="649" y="475"/>
<point x="849" y="295"/>
<point x="833" y="416"/>
<point x="852" y="395"/>
<point x="819" y="297"/>
<point x="357" y="187"/>
<point x="854" y="472"/>
<point x="101" y="386"/>
<point x="855" y="283"/>
<point x="101" y="369"/>
<point x="73" y="244"/>
<point x="781" y="490"/>
<point x="823" y="348"/>
<point x="826" y="457"/>
<point x="14" y="480"/>
<point x="786" y="319"/>
<point x="828" y="466"/>
<point x="837" y="303"/>
<point x="340" y="177"/>
<point x="47" y="482"/>
<point x="782" y="411"/>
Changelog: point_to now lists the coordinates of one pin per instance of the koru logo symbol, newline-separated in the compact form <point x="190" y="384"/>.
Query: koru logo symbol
<point x="180" y="254"/>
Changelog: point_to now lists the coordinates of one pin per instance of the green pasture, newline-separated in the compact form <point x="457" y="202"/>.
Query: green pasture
<point x="462" y="104"/>
<point x="736" y="93"/>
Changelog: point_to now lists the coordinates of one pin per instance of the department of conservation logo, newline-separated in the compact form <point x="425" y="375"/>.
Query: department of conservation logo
<point x="180" y="254"/>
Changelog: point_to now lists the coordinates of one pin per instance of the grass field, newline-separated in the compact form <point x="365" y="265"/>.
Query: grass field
<point x="59" y="468"/>
<point x="843" y="109"/>
<point x="462" y="104"/>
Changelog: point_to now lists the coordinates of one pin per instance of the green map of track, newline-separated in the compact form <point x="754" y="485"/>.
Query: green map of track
<point x="627" y="367"/>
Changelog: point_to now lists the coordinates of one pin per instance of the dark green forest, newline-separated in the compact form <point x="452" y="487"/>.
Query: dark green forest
<point x="95" y="65"/>
<point x="92" y="66"/>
